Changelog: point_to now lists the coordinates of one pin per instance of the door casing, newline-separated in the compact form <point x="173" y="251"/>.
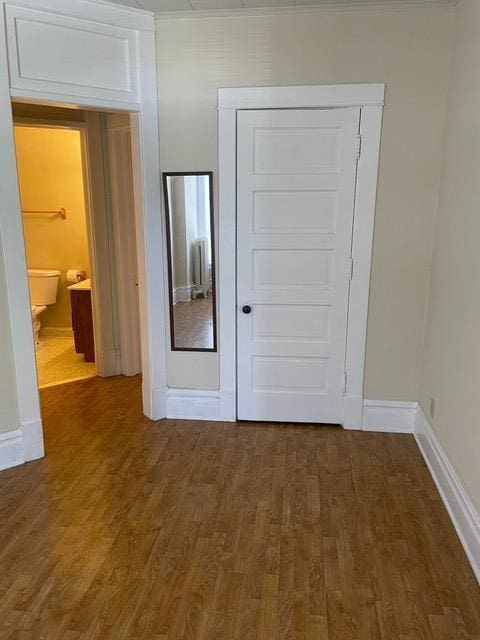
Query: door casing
<point x="370" y="99"/>
<point x="117" y="150"/>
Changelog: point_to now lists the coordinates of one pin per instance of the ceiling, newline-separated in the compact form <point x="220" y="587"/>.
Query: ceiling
<point x="159" y="6"/>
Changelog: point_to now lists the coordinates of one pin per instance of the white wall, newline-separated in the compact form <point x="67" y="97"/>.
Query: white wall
<point x="451" y="366"/>
<point x="409" y="50"/>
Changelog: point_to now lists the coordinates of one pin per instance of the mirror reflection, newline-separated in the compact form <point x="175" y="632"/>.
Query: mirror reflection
<point x="191" y="269"/>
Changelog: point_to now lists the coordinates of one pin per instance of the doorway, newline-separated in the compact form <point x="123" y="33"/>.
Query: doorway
<point x="76" y="187"/>
<point x="110" y="67"/>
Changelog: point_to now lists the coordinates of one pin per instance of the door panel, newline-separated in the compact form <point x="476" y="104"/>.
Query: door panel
<point x="64" y="54"/>
<point x="296" y="187"/>
<point x="315" y="211"/>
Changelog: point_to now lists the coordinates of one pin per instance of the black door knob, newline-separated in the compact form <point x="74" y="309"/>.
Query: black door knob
<point x="246" y="308"/>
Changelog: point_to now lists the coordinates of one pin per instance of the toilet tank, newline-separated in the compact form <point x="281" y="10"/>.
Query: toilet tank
<point x="43" y="285"/>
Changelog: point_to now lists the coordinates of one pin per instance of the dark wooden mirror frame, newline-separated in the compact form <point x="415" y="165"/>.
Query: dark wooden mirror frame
<point x="165" y="176"/>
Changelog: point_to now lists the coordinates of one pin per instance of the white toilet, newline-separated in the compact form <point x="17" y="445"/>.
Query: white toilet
<point x="43" y="285"/>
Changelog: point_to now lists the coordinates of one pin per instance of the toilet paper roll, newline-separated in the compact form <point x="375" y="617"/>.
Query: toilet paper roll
<point x="76" y="275"/>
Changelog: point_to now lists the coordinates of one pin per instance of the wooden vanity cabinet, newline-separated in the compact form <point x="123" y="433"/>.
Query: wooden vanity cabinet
<point x="82" y="323"/>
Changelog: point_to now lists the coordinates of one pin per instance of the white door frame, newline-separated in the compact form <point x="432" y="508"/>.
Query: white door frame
<point x="118" y="155"/>
<point x="102" y="266"/>
<point x="137" y="29"/>
<point x="370" y="99"/>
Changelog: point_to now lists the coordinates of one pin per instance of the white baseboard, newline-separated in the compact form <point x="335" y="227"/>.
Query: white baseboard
<point x="228" y="405"/>
<point x="21" y="445"/>
<point x="463" y="513"/>
<point x="389" y="417"/>
<point x="56" y="332"/>
<point x="11" y="449"/>
<point x="207" y="404"/>
<point x="155" y="407"/>
<point x="182" y="294"/>
<point x="201" y="404"/>
<point x="32" y="434"/>
<point x="353" y="412"/>
<point x="110" y="363"/>
<point x="193" y="404"/>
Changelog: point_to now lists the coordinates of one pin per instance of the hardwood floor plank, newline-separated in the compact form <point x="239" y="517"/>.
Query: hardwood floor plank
<point x="185" y="530"/>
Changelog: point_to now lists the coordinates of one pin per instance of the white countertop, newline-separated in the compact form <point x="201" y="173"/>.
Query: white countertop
<point x="83" y="285"/>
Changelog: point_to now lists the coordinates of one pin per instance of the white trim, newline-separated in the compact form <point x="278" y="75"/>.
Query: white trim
<point x="100" y="248"/>
<point x="118" y="170"/>
<point x="150" y="236"/>
<point x="193" y="404"/>
<point x="378" y="415"/>
<point x="226" y="273"/>
<point x="371" y="95"/>
<point x="11" y="237"/>
<point x="300" y="97"/>
<point x="97" y="11"/>
<point x="228" y="404"/>
<point x="323" y="8"/>
<point x="158" y="401"/>
<point x="21" y="445"/>
<point x="30" y="96"/>
<point x="461" y="509"/>
<point x="362" y="242"/>
<point x="111" y="362"/>
<point x="207" y="404"/>
<point x="388" y="417"/>
<point x="32" y="435"/>
<point x="11" y="449"/>
<point x="353" y="411"/>
<point x="182" y="294"/>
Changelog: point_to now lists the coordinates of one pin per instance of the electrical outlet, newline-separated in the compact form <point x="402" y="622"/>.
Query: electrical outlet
<point x="432" y="408"/>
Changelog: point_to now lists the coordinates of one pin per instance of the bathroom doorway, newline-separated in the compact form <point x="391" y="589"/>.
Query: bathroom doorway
<point x="54" y="214"/>
<point x="76" y="189"/>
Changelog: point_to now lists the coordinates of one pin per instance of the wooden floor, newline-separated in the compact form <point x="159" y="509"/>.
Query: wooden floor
<point x="210" y="531"/>
<point x="194" y="323"/>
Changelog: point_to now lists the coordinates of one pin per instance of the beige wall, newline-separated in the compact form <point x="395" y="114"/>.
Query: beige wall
<point x="409" y="50"/>
<point x="451" y="366"/>
<point x="9" y="419"/>
<point x="51" y="176"/>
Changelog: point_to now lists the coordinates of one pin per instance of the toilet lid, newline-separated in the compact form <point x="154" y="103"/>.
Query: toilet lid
<point x="43" y="273"/>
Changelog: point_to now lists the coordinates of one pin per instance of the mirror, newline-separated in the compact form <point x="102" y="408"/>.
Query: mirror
<point x="191" y="260"/>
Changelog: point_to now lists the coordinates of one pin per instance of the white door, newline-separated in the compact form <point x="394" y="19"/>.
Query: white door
<point x="296" y="173"/>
